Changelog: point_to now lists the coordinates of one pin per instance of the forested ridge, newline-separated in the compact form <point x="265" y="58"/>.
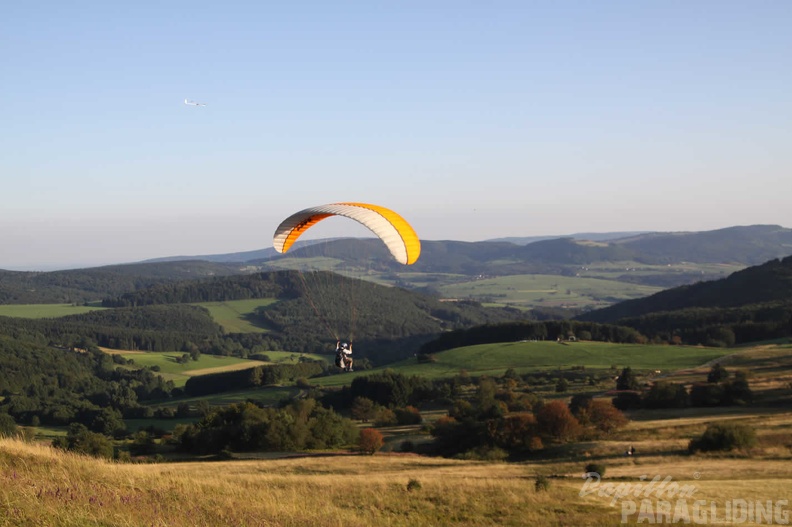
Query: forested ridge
<point x="279" y="284"/>
<point x="749" y="305"/>
<point x="152" y="328"/>
<point x="87" y="285"/>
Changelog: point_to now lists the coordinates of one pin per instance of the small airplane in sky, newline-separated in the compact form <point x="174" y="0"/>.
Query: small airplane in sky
<point x="193" y="103"/>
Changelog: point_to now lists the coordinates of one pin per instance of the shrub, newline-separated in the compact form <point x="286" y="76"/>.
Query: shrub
<point x="8" y="426"/>
<point x="542" y="484"/>
<point x="385" y="417"/>
<point x="605" y="417"/>
<point x="556" y="421"/>
<point x="717" y="374"/>
<point x="370" y="441"/>
<point x="724" y="437"/>
<point x="413" y="484"/>
<point x="562" y="385"/>
<point x="597" y="468"/>
<point x="408" y="416"/>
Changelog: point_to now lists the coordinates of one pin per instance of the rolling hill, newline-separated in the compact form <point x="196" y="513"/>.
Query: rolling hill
<point x="749" y="305"/>
<point x="651" y="259"/>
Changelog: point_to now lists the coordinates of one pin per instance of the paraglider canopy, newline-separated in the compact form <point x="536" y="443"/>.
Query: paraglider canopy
<point x="399" y="237"/>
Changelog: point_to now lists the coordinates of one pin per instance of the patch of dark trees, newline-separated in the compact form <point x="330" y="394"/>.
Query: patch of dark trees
<point x="720" y="389"/>
<point x="41" y="384"/>
<point x="712" y="326"/>
<point x="253" y="377"/>
<point x="300" y="425"/>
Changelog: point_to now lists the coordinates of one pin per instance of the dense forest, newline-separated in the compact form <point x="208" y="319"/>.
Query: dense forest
<point x="48" y="385"/>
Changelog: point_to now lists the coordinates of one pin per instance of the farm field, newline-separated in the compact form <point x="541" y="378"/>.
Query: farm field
<point x="44" y="310"/>
<point x="170" y="369"/>
<point x="236" y="315"/>
<point x="546" y="290"/>
<point x="614" y="270"/>
<point x="526" y="357"/>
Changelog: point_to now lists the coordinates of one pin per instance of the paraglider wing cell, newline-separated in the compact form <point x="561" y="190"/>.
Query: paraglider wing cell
<point x="399" y="237"/>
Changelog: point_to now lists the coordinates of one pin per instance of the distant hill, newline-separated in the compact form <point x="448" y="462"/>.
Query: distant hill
<point x="238" y="257"/>
<point x="86" y="285"/>
<point x="591" y="236"/>
<point x="749" y="245"/>
<point x="662" y="256"/>
<point x="752" y="304"/>
<point x="769" y="282"/>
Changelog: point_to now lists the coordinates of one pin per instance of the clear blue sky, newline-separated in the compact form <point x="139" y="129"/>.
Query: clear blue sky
<point x="475" y="120"/>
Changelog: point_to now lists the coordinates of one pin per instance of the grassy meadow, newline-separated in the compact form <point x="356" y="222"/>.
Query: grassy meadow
<point x="526" y="357"/>
<point x="171" y="370"/>
<point x="43" y="487"/>
<point x="44" y="310"/>
<point x="236" y="315"/>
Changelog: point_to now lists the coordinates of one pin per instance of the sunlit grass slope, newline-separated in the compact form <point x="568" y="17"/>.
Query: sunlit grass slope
<point x="42" y="487"/>
<point x="525" y="357"/>
<point x="172" y="370"/>
<point x="236" y="315"/>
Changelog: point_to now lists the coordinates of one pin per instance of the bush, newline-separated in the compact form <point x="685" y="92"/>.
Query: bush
<point x="605" y="417"/>
<point x="371" y="441"/>
<point x="555" y="421"/>
<point x="542" y="484"/>
<point x="408" y="416"/>
<point x="724" y="437"/>
<point x="413" y="484"/>
<point x="8" y="426"/>
<point x="597" y="468"/>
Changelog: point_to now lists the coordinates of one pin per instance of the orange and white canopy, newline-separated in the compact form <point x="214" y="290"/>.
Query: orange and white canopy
<point x="392" y="229"/>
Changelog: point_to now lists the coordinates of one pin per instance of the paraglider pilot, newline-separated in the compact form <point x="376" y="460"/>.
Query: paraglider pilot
<point x="343" y="356"/>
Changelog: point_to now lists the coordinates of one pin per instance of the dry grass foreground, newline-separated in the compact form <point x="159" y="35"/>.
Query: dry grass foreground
<point x="43" y="487"/>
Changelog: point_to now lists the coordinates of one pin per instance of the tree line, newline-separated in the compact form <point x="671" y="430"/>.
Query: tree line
<point x="533" y="330"/>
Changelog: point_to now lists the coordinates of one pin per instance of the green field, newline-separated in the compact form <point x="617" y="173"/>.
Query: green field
<point x="526" y="357"/>
<point x="236" y="315"/>
<point x="179" y="373"/>
<point x="43" y="310"/>
<point x="547" y="290"/>
<point x="615" y="270"/>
